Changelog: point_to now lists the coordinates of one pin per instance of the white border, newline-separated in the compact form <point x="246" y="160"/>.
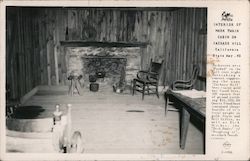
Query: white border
<point x="209" y="149"/>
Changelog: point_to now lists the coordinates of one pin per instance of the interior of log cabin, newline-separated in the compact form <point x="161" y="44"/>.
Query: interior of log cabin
<point x="106" y="80"/>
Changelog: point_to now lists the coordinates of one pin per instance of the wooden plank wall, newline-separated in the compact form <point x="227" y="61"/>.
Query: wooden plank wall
<point x="22" y="59"/>
<point x="35" y="57"/>
<point x="187" y="47"/>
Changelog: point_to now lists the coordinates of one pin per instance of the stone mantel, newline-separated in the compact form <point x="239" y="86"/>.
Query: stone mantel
<point x="81" y="43"/>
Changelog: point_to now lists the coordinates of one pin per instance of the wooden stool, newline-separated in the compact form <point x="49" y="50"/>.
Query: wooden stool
<point x="75" y="84"/>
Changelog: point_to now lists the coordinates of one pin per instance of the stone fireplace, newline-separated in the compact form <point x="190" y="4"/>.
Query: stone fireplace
<point x="120" y="64"/>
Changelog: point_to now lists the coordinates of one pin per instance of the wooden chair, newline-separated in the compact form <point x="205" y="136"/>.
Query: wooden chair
<point x="147" y="81"/>
<point x="181" y="85"/>
<point x="187" y="84"/>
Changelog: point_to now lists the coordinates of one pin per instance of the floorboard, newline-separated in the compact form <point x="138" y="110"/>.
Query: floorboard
<point x="114" y="123"/>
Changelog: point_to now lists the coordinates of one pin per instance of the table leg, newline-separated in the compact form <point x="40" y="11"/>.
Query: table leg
<point x="204" y="137"/>
<point x="184" y="127"/>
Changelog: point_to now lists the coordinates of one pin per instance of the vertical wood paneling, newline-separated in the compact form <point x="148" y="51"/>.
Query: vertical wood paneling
<point x="23" y="69"/>
<point x="34" y="55"/>
<point x="188" y="45"/>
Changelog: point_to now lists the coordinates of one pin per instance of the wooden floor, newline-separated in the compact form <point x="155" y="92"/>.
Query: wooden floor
<point x="114" y="123"/>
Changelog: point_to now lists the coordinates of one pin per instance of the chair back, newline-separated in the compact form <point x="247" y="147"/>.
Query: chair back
<point x="155" y="67"/>
<point x="195" y="73"/>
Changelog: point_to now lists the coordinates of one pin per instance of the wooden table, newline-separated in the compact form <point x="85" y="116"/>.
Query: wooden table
<point x="187" y="106"/>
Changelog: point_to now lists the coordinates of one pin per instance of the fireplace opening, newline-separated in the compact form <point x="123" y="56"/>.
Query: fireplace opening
<point x="108" y="70"/>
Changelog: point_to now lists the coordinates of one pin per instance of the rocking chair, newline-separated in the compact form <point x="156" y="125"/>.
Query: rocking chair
<point x="147" y="81"/>
<point x="187" y="84"/>
<point x="182" y="85"/>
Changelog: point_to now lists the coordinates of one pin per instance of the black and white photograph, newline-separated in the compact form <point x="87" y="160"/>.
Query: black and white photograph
<point x="105" y="80"/>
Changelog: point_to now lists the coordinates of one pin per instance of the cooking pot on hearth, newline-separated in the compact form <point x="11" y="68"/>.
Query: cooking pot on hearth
<point x="100" y="74"/>
<point x="92" y="78"/>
